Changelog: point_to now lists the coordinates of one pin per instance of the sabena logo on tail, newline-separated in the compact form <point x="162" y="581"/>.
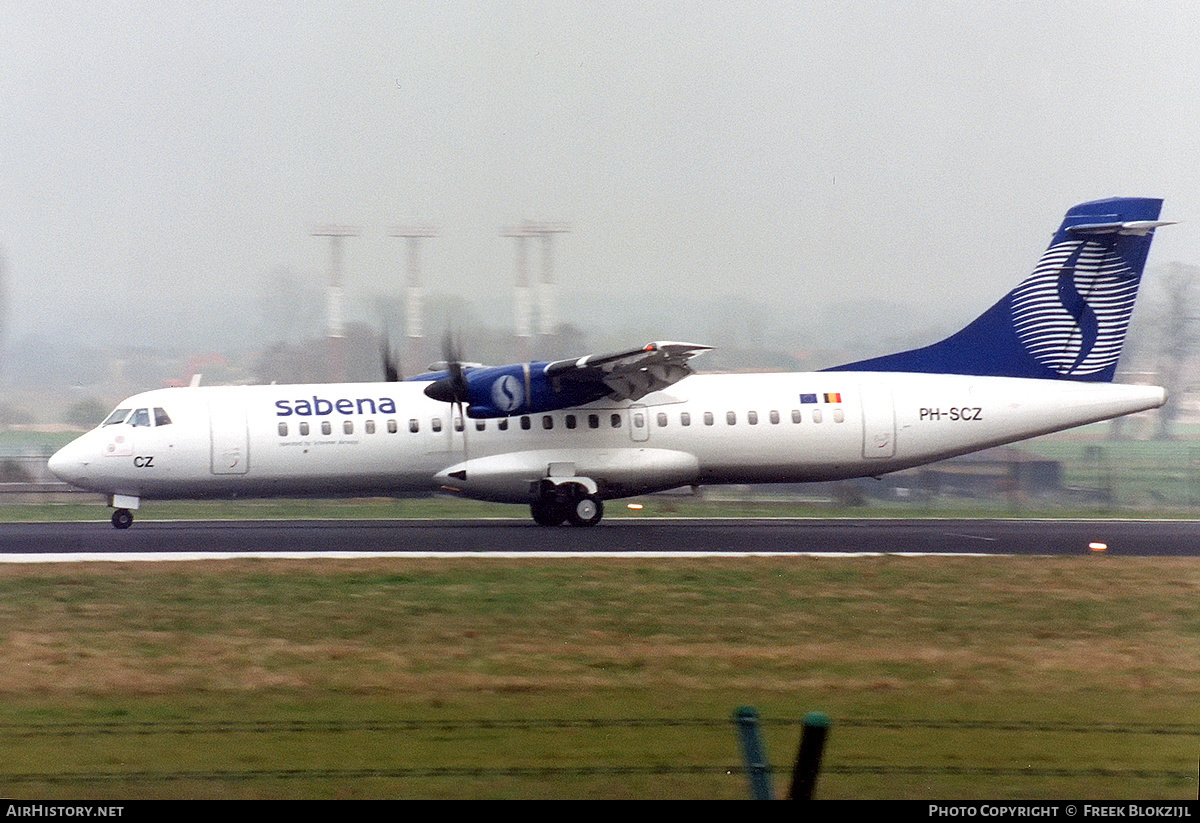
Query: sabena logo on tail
<point x="1072" y="313"/>
<point x="1068" y="319"/>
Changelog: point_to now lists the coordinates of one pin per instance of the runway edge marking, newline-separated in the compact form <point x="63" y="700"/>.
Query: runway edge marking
<point x="164" y="557"/>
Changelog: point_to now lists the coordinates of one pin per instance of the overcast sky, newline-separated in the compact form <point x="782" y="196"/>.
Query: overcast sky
<point x="160" y="159"/>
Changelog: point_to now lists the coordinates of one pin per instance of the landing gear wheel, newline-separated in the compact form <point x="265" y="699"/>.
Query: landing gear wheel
<point x="122" y="519"/>
<point x="585" y="511"/>
<point x="548" y="512"/>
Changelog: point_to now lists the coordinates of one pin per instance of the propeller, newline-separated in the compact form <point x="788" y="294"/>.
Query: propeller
<point x="391" y="371"/>
<point x="458" y="376"/>
<point x="453" y="388"/>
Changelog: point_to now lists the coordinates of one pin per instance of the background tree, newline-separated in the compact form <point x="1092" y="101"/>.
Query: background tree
<point x="85" y="414"/>
<point x="1173" y="337"/>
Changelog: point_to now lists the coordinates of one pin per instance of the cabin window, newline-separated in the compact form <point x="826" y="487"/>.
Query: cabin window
<point x="393" y="427"/>
<point x="839" y="416"/>
<point x="795" y="415"/>
<point x="685" y="419"/>
<point x="593" y="421"/>
<point x="304" y="428"/>
<point x="525" y="424"/>
<point x="570" y="421"/>
<point x="502" y="424"/>
<point x="639" y="420"/>
<point x="116" y="417"/>
<point x="283" y="429"/>
<point x="480" y="425"/>
<point x="326" y="428"/>
<point x="435" y="424"/>
<point x="161" y="418"/>
<point x="547" y="422"/>
<point x="458" y="424"/>
<point x="708" y="418"/>
<point x="348" y="427"/>
<point x="752" y="418"/>
<point x="774" y="415"/>
<point x="370" y="426"/>
<point x="616" y="421"/>
<point x="662" y="420"/>
<point x="414" y="425"/>
<point x="731" y="418"/>
<point x="141" y="417"/>
<point x="816" y="415"/>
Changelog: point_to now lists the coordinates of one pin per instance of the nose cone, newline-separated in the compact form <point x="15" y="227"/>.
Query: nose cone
<point x="70" y="464"/>
<point x="441" y="390"/>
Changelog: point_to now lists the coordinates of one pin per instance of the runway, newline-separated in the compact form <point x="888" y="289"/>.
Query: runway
<point x="667" y="537"/>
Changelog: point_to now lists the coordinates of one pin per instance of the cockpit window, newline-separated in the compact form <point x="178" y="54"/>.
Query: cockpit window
<point x="161" y="418"/>
<point x="116" y="417"/>
<point x="141" y="417"/>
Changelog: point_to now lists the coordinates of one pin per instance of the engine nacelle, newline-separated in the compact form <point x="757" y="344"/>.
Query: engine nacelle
<point x="505" y="391"/>
<point x="610" y="473"/>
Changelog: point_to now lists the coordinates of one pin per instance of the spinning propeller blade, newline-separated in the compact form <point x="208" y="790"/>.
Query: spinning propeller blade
<point x="391" y="371"/>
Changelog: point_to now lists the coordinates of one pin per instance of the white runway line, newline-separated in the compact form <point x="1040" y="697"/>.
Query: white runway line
<point x="166" y="557"/>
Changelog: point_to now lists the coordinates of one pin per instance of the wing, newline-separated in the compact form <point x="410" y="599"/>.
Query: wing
<point x="628" y="375"/>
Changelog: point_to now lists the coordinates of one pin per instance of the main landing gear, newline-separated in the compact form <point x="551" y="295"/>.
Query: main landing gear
<point x="122" y="519"/>
<point x="569" y="503"/>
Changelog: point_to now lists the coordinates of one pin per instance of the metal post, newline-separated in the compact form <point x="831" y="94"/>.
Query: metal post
<point x="544" y="291"/>
<point x="758" y="770"/>
<point x="416" y="357"/>
<point x="335" y="331"/>
<point x="808" y="759"/>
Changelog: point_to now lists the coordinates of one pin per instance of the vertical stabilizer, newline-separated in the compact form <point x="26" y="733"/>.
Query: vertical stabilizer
<point x="1068" y="319"/>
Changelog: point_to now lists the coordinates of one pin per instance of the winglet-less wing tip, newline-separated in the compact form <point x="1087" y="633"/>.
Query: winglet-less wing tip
<point x="675" y="347"/>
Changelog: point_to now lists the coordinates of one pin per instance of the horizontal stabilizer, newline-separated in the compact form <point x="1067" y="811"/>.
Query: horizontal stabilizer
<point x="1140" y="228"/>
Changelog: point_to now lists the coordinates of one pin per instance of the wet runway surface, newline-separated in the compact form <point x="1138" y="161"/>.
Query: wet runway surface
<point x="1160" y="538"/>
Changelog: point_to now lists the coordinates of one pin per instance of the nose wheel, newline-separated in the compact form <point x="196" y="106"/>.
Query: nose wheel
<point x="122" y="519"/>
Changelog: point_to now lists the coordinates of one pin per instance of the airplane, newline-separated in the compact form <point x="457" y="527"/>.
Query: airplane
<point x="565" y="436"/>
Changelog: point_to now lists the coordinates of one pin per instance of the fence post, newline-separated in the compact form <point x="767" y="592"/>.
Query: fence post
<point x="808" y="759"/>
<point x="758" y="771"/>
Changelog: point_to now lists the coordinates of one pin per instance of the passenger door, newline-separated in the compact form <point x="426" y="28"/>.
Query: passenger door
<point x="879" y="422"/>
<point x="229" y="438"/>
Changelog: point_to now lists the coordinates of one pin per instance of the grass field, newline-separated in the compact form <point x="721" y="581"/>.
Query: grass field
<point x="374" y="678"/>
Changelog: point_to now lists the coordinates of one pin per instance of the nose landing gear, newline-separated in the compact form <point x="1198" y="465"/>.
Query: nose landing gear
<point x="122" y="518"/>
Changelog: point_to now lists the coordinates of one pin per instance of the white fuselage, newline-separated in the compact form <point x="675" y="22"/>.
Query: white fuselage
<point x="390" y="438"/>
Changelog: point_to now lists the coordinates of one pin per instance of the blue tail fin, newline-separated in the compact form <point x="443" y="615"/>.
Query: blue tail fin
<point x="1067" y="320"/>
